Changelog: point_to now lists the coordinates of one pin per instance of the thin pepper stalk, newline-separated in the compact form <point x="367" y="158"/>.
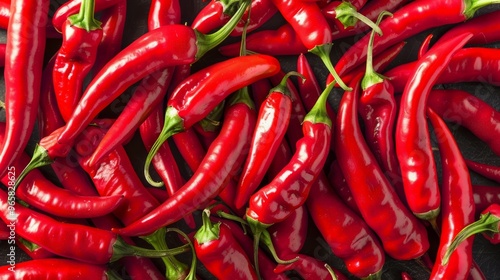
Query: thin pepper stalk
<point x="175" y="269"/>
<point x="212" y="174"/>
<point x="488" y="224"/>
<point x="72" y="7"/>
<point x="272" y="203"/>
<point x="175" y="44"/>
<point x="82" y="34"/>
<point x="24" y="58"/>
<point x="457" y="204"/>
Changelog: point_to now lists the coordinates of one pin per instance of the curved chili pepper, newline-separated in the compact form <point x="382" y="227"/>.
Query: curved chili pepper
<point x="458" y="204"/>
<point x="210" y="177"/>
<point x="72" y="7"/>
<point x="331" y="215"/>
<point x="414" y="152"/>
<point x="112" y="24"/>
<point x="88" y="244"/>
<point x="23" y="58"/>
<point x="163" y="12"/>
<point x="289" y="235"/>
<point x="115" y="174"/>
<point x="220" y="252"/>
<point x="469" y="111"/>
<point x="487" y="224"/>
<point x="82" y="34"/>
<point x="407" y="21"/>
<point x="461" y="68"/>
<point x="311" y="268"/>
<point x="189" y="102"/>
<point x="115" y="77"/>
<point x="272" y="123"/>
<point x="282" y="41"/>
<point x="289" y="189"/>
<point x="378" y="110"/>
<point x="489" y="171"/>
<point x="312" y="29"/>
<point x="372" y="190"/>
<point x="54" y="268"/>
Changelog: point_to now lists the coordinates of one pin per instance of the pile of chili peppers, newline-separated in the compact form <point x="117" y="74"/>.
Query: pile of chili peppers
<point x="250" y="139"/>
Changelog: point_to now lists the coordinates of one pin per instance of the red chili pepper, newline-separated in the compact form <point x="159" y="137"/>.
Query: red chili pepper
<point x="82" y="34"/>
<point x="72" y="7"/>
<point x="5" y="14"/>
<point x="163" y="12"/>
<point x="32" y="250"/>
<point x="113" y="24"/>
<point x="212" y="174"/>
<point x="359" y="248"/>
<point x="189" y="102"/>
<point x="218" y="12"/>
<point x="489" y="171"/>
<point x="311" y="268"/>
<point x="289" y="189"/>
<point x="469" y="111"/>
<point x="220" y="252"/>
<point x="413" y="148"/>
<point x="378" y="110"/>
<point x="372" y="190"/>
<point x="40" y="193"/>
<point x="115" y="174"/>
<point x="407" y="21"/>
<point x="115" y="77"/>
<point x="74" y="241"/>
<point x="208" y="128"/>
<point x="23" y="58"/>
<point x="147" y="95"/>
<point x="338" y="183"/>
<point x="461" y="68"/>
<point x="282" y="41"/>
<point x="289" y="235"/>
<point x="54" y="268"/>
<point x="266" y="265"/>
<point x="3" y="48"/>
<point x="312" y="29"/>
<point x="457" y="206"/>
<point x="272" y="124"/>
<point x="487" y="224"/>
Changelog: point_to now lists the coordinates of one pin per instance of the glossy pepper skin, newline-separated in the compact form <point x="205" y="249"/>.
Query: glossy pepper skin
<point x="272" y="124"/>
<point x="115" y="77"/>
<point x="331" y="215"/>
<point x="189" y="102"/>
<point x="54" y="268"/>
<point x="407" y="21"/>
<point x="469" y="111"/>
<point x="458" y="204"/>
<point x="82" y="34"/>
<point x="210" y="177"/>
<point x="413" y="148"/>
<point x="489" y="171"/>
<point x="78" y="242"/>
<point x="461" y="68"/>
<point x="72" y="7"/>
<point x="371" y="189"/>
<point x="114" y="175"/>
<point x="23" y="72"/>
<point x="311" y="268"/>
<point x="220" y="252"/>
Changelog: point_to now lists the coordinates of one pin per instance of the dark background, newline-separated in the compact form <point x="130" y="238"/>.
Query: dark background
<point x="487" y="256"/>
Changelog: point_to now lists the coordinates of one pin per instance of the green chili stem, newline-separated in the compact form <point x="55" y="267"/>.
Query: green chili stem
<point x="40" y="158"/>
<point x="85" y="19"/>
<point x="323" y="52"/>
